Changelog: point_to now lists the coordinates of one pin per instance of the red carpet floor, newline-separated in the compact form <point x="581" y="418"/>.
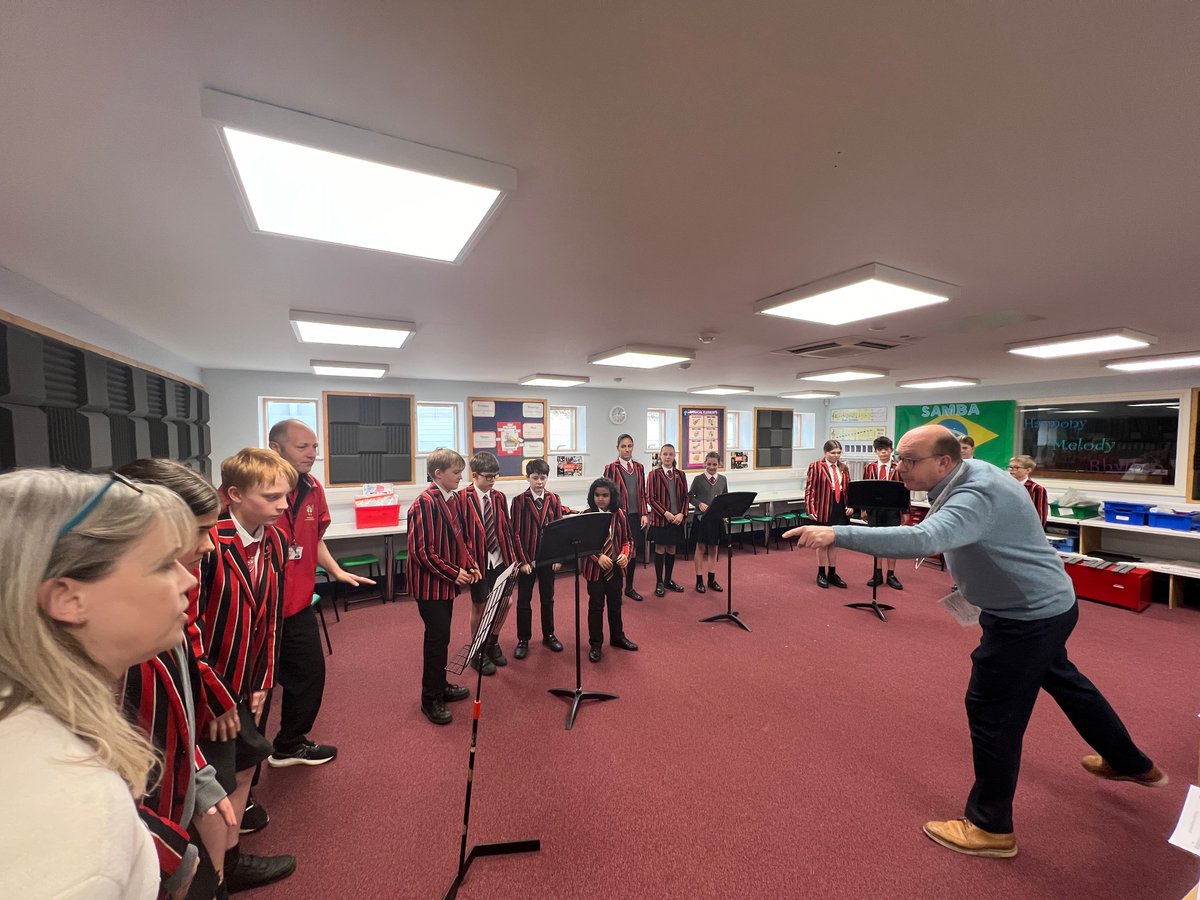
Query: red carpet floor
<point x="799" y="760"/>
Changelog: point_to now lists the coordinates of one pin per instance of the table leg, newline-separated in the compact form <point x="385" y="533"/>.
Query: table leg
<point x="389" y="591"/>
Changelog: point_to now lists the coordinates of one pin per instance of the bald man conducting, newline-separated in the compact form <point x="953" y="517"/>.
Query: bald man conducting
<point x="301" y="664"/>
<point x="981" y="520"/>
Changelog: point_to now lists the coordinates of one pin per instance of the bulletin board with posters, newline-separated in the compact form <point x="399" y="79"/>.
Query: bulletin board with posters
<point x="701" y="429"/>
<point x="513" y="429"/>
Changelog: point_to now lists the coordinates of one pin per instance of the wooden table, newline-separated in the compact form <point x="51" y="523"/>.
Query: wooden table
<point x="345" y="530"/>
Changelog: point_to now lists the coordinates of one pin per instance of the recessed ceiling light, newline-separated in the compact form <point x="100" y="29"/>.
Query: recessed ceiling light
<point x="868" y="292"/>
<point x="721" y="389"/>
<point x="1154" y="363"/>
<point x="641" y="356"/>
<point x="854" y="373"/>
<point x="540" y="380"/>
<point x="949" y="381"/>
<point x="354" y="331"/>
<point x="312" y="178"/>
<point x="811" y="395"/>
<point x="352" y="370"/>
<point x="1083" y="344"/>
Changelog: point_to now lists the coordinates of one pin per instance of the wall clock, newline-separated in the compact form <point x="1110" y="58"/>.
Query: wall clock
<point x="617" y="415"/>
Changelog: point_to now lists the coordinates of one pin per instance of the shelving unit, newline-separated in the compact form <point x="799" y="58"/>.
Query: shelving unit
<point x="1173" y="553"/>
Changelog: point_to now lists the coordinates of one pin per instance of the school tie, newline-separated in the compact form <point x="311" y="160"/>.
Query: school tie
<point x="607" y="550"/>
<point x="712" y="479"/>
<point x="489" y="524"/>
<point x="538" y="502"/>
<point x="252" y="558"/>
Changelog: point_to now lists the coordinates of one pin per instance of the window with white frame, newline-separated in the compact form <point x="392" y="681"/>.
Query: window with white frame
<point x="733" y="430"/>
<point x="566" y="429"/>
<point x="804" y="431"/>
<point x="437" y="426"/>
<point x="276" y="409"/>
<point x="656" y="428"/>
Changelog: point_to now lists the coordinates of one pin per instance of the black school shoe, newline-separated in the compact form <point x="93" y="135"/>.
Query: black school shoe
<point x="497" y="655"/>
<point x="455" y="692"/>
<point x="893" y="582"/>
<point x="594" y="653"/>
<point x="307" y="754"/>
<point x="660" y="590"/>
<point x="255" y="818"/>
<point x="822" y="581"/>
<point x="836" y="581"/>
<point x="633" y="595"/>
<point x="700" y="586"/>
<point x="672" y="586"/>
<point x="437" y="713"/>
<point x="522" y="650"/>
<point x="623" y="643"/>
<point x="713" y="585"/>
<point x="553" y="643"/>
<point x="250" y="871"/>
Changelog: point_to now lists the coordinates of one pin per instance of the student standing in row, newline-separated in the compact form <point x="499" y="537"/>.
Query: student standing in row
<point x="440" y="567"/>
<point x="1020" y="468"/>
<point x="825" y="490"/>
<point x="883" y="470"/>
<point x="489" y="540"/>
<point x="966" y="445"/>
<point x="707" y="532"/>
<point x="667" y="494"/>
<point x="629" y="476"/>
<point x="603" y="573"/>
<point x="532" y="511"/>
<point x="239" y="603"/>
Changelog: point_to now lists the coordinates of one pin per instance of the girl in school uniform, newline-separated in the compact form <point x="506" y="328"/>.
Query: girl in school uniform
<point x="705" y="488"/>
<point x="825" y="492"/>
<point x="667" y="492"/>
<point x="605" y="572"/>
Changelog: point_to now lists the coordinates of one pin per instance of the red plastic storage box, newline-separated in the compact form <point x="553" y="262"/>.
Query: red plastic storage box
<point x="1130" y="590"/>
<point x="375" y="516"/>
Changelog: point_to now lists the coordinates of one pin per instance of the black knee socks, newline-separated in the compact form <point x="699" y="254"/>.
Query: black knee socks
<point x="658" y="567"/>
<point x="669" y="565"/>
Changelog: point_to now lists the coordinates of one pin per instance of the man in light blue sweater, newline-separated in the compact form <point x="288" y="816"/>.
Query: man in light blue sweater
<point x="981" y="520"/>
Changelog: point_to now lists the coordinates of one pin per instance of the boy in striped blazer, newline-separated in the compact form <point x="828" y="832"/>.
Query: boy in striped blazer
<point x="883" y="470"/>
<point x="667" y="494"/>
<point x="532" y="511"/>
<point x="239" y="603"/>
<point x="602" y="572"/>
<point x="1020" y="468"/>
<point x="629" y="476"/>
<point x="439" y="566"/>
<point x="490" y="541"/>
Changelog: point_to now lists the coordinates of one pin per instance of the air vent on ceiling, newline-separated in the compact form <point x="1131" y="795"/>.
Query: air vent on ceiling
<point x="843" y="347"/>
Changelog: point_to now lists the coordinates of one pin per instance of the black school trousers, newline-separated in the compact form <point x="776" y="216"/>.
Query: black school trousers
<point x="543" y="576"/>
<point x="605" y="592"/>
<point x="301" y="674"/>
<point x="1015" y="660"/>
<point x="436" y="615"/>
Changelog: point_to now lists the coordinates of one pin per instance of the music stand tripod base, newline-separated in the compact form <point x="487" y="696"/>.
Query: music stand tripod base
<point x="577" y="697"/>
<point x="876" y="495"/>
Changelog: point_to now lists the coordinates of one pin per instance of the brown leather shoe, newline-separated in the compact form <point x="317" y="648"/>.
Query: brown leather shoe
<point x="1152" y="777"/>
<point x="963" y="836"/>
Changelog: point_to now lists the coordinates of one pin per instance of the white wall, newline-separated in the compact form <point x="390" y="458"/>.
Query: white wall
<point x="32" y="301"/>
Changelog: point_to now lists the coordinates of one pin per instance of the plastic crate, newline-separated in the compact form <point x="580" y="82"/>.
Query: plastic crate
<point x="1064" y="545"/>
<point x="1131" y="590"/>
<point x="1174" y="521"/>
<point x="376" y="516"/>
<point x="1126" y="513"/>
<point x="1083" y="511"/>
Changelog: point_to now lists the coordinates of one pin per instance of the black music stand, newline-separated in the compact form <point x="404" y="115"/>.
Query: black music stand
<point x="571" y="539"/>
<point x="876" y="495"/>
<point x="726" y="507"/>
<point x="494" y="613"/>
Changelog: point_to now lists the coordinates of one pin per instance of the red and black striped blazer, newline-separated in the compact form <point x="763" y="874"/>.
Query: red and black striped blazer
<point x="239" y="618"/>
<point x="819" y="490"/>
<point x="154" y="701"/>
<point x="1041" y="500"/>
<point x="874" y="472"/>
<point x="437" y="548"/>
<point x="657" y="493"/>
<point x="613" y="473"/>
<point x="476" y="536"/>
<point x="589" y="566"/>
<point x="527" y="522"/>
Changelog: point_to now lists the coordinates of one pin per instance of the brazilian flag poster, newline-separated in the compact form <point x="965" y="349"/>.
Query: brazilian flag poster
<point x="992" y="424"/>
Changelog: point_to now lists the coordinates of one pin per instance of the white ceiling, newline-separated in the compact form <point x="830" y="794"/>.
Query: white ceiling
<point x="678" y="160"/>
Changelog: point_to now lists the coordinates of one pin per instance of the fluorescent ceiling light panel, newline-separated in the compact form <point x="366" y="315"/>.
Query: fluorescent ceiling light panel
<point x="853" y="373"/>
<point x="1083" y="344"/>
<point x="306" y="177"/>
<point x="1075" y="410"/>
<point x="541" y="380"/>
<point x="868" y="292"/>
<point x="641" y="356"/>
<point x="1039" y="408"/>
<point x="352" y="370"/>
<point x="353" y="331"/>
<point x="948" y="381"/>
<point x="1168" y="403"/>
<point x="721" y="389"/>
<point x="811" y="395"/>
<point x="1155" y="363"/>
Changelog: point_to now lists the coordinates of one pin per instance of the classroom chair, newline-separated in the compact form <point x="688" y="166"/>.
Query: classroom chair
<point x="371" y="563"/>
<point x="316" y="601"/>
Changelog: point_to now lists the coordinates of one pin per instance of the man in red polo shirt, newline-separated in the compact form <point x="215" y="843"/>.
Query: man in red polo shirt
<point x="300" y="669"/>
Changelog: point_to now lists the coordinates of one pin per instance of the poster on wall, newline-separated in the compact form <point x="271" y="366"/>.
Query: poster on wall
<point x="701" y="429"/>
<point x="569" y="466"/>
<point x="859" y="415"/>
<point x="739" y="459"/>
<point x="513" y="429"/>
<point x="991" y="423"/>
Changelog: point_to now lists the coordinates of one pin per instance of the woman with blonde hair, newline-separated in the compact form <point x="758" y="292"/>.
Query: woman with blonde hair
<point x="90" y="585"/>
